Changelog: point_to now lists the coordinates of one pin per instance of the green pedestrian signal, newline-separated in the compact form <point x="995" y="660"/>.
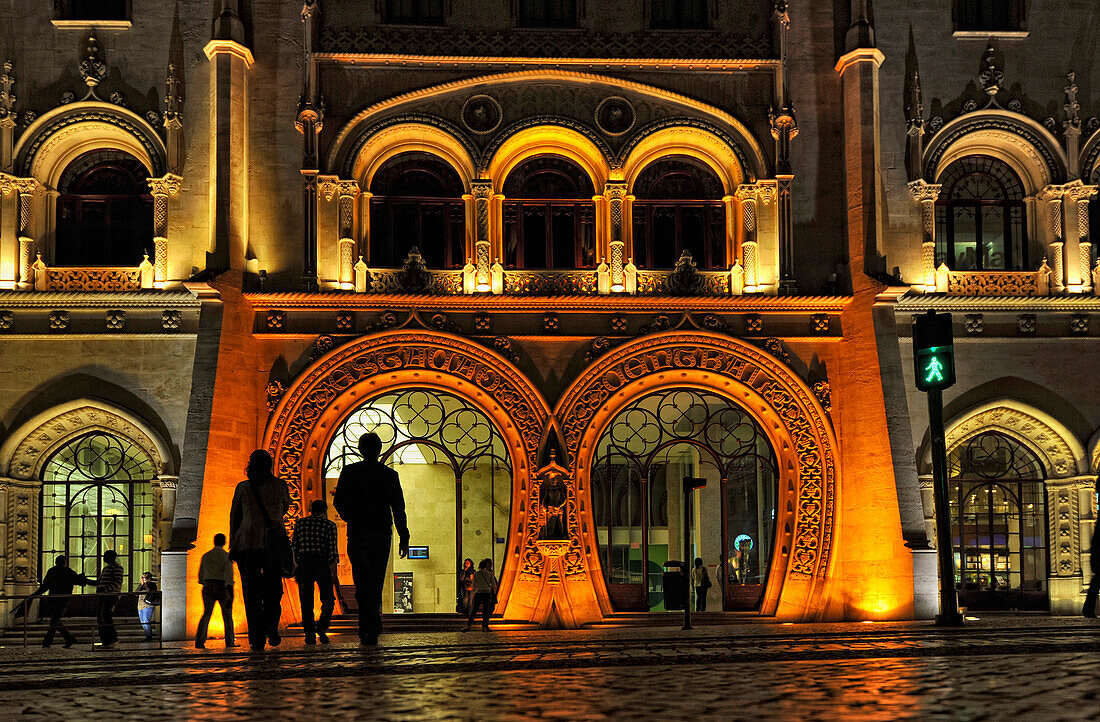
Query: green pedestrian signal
<point x="933" y="351"/>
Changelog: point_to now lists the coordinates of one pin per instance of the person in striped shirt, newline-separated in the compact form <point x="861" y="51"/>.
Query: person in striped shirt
<point x="109" y="585"/>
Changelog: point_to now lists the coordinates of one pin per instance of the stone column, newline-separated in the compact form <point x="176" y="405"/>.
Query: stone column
<point x="230" y="63"/>
<point x="20" y="528"/>
<point x="162" y="189"/>
<point x="482" y="191"/>
<point x="28" y="190"/>
<point x="1053" y="197"/>
<point x="346" y="192"/>
<point x="1065" y="543"/>
<point x="752" y="196"/>
<point x="1083" y="265"/>
<point x="926" y="195"/>
<point x="615" y="193"/>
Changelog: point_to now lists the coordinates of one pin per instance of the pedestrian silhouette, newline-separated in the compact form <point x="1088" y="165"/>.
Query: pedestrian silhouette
<point x="253" y="544"/>
<point x="485" y="595"/>
<point x="466" y="586"/>
<point x="1094" y="586"/>
<point x="700" y="579"/>
<point x="108" y="588"/>
<point x="368" y="497"/>
<point x="147" y="602"/>
<point x="316" y="556"/>
<point x="58" y="582"/>
<point x="216" y="578"/>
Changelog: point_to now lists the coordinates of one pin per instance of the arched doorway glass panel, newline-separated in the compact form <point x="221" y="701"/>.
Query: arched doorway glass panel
<point x="998" y="524"/>
<point x="640" y="463"/>
<point x="97" y="495"/>
<point x="456" y="474"/>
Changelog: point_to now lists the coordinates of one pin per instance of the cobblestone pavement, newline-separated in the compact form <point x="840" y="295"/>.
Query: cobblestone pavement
<point x="999" y="668"/>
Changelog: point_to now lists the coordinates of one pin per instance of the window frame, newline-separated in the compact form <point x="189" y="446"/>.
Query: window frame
<point x="651" y="16"/>
<point x="946" y="250"/>
<point x="518" y="15"/>
<point x="63" y="15"/>
<point x="1016" y="25"/>
<point x="418" y="20"/>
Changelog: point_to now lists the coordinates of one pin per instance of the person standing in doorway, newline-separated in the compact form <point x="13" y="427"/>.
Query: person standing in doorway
<point x="250" y="545"/>
<point x="316" y="556"/>
<point x="216" y="578"/>
<point x="58" y="584"/>
<point x="700" y="579"/>
<point x="147" y="602"/>
<point x="1094" y="586"/>
<point x="108" y="587"/>
<point x="485" y="595"/>
<point x="368" y="498"/>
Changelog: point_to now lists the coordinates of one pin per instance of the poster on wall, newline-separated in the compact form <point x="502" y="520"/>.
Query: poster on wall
<point x="402" y="592"/>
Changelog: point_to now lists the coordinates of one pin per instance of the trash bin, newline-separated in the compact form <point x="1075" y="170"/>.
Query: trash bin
<point x="675" y="586"/>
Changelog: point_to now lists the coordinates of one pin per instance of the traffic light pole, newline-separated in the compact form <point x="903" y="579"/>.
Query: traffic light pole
<point x="949" y="607"/>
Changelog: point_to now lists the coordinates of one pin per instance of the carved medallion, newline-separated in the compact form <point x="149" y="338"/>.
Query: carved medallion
<point x="615" y="115"/>
<point x="481" y="114"/>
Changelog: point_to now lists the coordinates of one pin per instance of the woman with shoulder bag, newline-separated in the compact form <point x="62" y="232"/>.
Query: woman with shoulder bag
<point x="259" y="545"/>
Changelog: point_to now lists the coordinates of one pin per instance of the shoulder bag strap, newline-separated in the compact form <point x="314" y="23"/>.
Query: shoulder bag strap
<point x="263" y="509"/>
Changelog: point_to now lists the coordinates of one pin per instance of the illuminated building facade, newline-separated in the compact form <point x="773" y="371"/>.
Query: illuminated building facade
<point x="560" y="256"/>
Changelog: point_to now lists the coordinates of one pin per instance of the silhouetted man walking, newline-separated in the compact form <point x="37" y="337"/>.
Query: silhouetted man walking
<point x="368" y="497"/>
<point x="58" y="582"/>
<point x="315" y="552"/>
<point x="108" y="587"/>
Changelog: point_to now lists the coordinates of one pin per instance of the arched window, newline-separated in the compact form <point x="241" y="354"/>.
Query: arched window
<point x="980" y="224"/>
<point x="417" y="201"/>
<point x="678" y="207"/>
<point x="97" y="495"/>
<point x="990" y="15"/>
<point x="104" y="211"/>
<point x="637" y="477"/>
<point x="998" y="523"/>
<point x="549" y="216"/>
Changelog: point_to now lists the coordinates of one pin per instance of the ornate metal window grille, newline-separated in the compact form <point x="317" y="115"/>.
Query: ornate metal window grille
<point x="548" y="13"/>
<point x="998" y="513"/>
<point x="652" y="438"/>
<point x="417" y="201"/>
<point x="980" y="217"/>
<point x="990" y="15"/>
<point x="678" y="207"/>
<point x="414" y="12"/>
<point x="104" y="212"/>
<point x="421" y="426"/>
<point x="678" y="14"/>
<point x="549" y="215"/>
<point x="97" y="495"/>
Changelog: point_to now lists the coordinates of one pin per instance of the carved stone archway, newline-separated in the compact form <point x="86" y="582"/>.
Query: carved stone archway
<point x="335" y="385"/>
<point x="783" y="405"/>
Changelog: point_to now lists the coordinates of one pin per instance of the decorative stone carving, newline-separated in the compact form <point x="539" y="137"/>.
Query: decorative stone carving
<point x="59" y="320"/>
<point x="993" y="283"/>
<point x="754" y="323"/>
<point x="617" y="323"/>
<point x="503" y="346"/>
<point x="615" y="115"/>
<point x="93" y="279"/>
<point x="481" y="114"/>
<point x="1064" y="519"/>
<point x="321" y="346"/>
<point x="345" y="321"/>
<point x="824" y="393"/>
<point x="973" y="323"/>
<point x="34" y="449"/>
<point x="990" y="77"/>
<point x="551" y="323"/>
<point x="819" y="323"/>
<point x="414" y="275"/>
<point x="275" y="320"/>
<point x="116" y="320"/>
<point x="483" y="322"/>
<point x="92" y="69"/>
<point x="1079" y="324"/>
<point x="684" y="279"/>
<point x="1025" y="324"/>
<point x="274" y="391"/>
<point x="1055" y="453"/>
<point x="8" y="116"/>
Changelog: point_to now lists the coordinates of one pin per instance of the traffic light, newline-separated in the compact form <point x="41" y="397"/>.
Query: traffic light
<point x="933" y="351"/>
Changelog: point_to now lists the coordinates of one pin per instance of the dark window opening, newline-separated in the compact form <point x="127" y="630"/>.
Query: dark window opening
<point x="104" y="211"/>
<point x="414" y="12"/>
<point x="678" y="14"/>
<point x="548" y="13"/>
<point x="989" y="15"/>
<point x="417" y="201"/>
<point x="92" y="9"/>
<point x="980" y="217"/>
<point x="678" y="207"/>
<point x="549" y="215"/>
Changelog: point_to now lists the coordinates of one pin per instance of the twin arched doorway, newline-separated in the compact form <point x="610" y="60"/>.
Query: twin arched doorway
<point x="473" y="436"/>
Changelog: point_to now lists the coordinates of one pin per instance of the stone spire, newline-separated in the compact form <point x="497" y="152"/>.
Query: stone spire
<point x="227" y="24"/>
<point x="861" y="33"/>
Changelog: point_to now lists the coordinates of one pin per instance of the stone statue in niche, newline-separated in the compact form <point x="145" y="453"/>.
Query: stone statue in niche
<point x="553" y="497"/>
